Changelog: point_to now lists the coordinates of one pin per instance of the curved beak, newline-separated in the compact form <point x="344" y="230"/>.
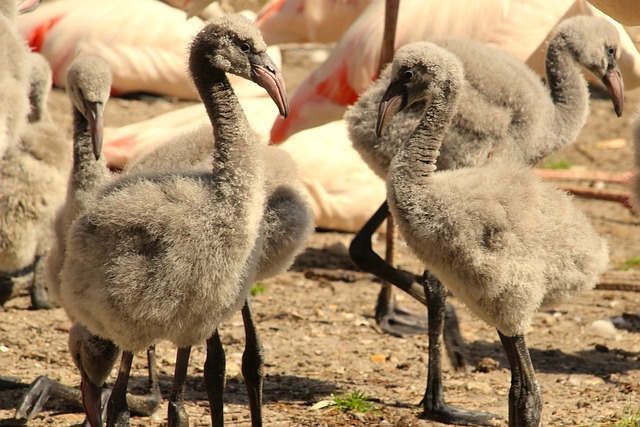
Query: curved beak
<point x="265" y="73"/>
<point x="615" y="86"/>
<point x="96" y="125"/>
<point x="25" y="6"/>
<point x="393" y="101"/>
<point x="91" y="400"/>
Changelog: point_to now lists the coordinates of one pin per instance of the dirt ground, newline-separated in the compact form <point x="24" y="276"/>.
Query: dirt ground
<point x="320" y="337"/>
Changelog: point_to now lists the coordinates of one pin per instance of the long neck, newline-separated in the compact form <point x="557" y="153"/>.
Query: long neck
<point x="568" y="89"/>
<point x="87" y="173"/>
<point x="417" y="158"/>
<point x="234" y="148"/>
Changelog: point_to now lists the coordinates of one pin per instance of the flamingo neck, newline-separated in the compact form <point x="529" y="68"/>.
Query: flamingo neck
<point x="568" y="88"/>
<point x="86" y="170"/>
<point x="231" y="130"/>
<point x="421" y="150"/>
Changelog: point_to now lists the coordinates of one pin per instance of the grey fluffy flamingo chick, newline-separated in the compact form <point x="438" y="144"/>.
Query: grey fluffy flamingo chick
<point x="89" y="84"/>
<point x="505" y="111"/>
<point x="287" y="223"/>
<point x="175" y="239"/>
<point x="500" y="239"/>
<point x="33" y="177"/>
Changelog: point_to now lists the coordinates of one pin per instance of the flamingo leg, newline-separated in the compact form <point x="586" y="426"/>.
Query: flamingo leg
<point x="387" y="312"/>
<point x="525" y="397"/>
<point x="363" y="255"/>
<point x="147" y="404"/>
<point x="214" y="378"/>
<point x="392" y="318"/>
<point x="38" y="292"/>
<point x="177" y="415"/>
<point x="252" y="365"/>
<point x="117" y="409"/>
<point x="433" y="404"/>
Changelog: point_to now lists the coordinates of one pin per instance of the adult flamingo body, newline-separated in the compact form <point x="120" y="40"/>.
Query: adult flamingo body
<point x="520" y="28"/>
<point x="302" y="21"/>
<point x="144" y="42"/>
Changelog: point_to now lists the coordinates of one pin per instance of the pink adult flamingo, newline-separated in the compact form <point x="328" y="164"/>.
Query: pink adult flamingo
<point x="518" y="27"/>
<point x="144" y="42"/>
<point x="301" y="21"/>
<point x="191" y="7"/>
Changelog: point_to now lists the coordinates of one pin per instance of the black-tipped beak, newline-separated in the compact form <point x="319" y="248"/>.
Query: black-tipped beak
<point x="265" y="73"/>
<point x="91" y="400"/>
<point x="96" y="124"/>
<point x="615" y="86"/>
<point x="393" y="101"/>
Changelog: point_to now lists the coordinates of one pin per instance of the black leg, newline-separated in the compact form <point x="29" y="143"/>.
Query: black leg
<point x="6" y="287"/>
<point x="516" y="386"/>
<point x="147" y="404"/>
<point x="38" y="292"/>
<point x="117" y="409"/>
<point x="453" y="342"/>
<point x="525" y="397"/>
<point x="214" y="378"/>
<point x="252" y="365"/>
<point x="434" y="406"/>
<point x="391" y="319"/>
<point x="177" y="414"/>
<point x="363" y="255"/>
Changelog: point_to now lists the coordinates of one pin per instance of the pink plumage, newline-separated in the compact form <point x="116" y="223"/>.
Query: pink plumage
<point x="520" y="27"/>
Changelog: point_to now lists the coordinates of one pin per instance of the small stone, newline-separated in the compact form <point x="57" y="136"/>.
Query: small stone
<point x="339" y="249"/>
<point x="575" y="380"/>
<point x="593" y="381"/>
<point x="602" y="328"/>
<point x="4" y="348"/>
<point x="479" y="386"/>
<point x="602" y="348"/>
<point x="486" y="365"/>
